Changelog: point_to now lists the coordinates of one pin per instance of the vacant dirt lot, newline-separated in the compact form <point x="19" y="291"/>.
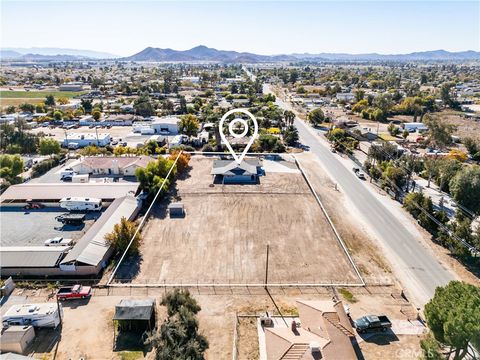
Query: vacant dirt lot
<point x="365" y="253"/>
<point x="224" y="235"/>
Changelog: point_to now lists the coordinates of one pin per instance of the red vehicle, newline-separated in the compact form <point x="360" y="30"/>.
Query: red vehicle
<point x="33" y="205"/>
<point x="74" y="292"/>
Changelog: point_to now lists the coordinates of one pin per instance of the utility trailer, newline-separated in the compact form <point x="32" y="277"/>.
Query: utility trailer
<point x="71" y="219"/>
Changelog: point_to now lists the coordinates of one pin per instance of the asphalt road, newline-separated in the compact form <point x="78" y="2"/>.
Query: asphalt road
<point x="415" y="265"/>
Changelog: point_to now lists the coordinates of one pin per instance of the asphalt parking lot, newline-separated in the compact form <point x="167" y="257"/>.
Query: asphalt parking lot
<point x="32" y="228"/>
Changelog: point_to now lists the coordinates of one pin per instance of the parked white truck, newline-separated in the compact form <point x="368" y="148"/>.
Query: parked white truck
<point x="81" y="204"/>
<point x="37" y="315"/>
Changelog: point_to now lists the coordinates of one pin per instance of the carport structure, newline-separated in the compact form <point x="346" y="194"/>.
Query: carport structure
<point x="135" y="316"/>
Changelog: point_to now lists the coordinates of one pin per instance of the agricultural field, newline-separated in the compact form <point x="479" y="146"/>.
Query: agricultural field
<point x="5" y="94"/>
<point x="15" y="98"/>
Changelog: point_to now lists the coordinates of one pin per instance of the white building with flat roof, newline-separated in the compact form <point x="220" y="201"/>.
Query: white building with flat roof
<point x="86" y="139"/>
<point x="71" y="86"/>
<point x="166" y="125"/>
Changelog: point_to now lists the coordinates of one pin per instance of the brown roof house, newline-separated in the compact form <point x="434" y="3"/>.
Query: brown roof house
<point x="325" y="333"/>
<point x="110" y="165"/>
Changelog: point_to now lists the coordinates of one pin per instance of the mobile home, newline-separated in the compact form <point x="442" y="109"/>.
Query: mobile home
<point x="81" y="204"/>
<point x="37" y="315"/>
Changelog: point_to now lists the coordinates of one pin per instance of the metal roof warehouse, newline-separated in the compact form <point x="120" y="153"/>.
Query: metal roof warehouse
<point x="55" y="192"/>
<point x="31" y="256"/>
<point x="88" y="256"/>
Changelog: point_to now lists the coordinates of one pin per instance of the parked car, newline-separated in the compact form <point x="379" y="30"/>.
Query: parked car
<point x="67" y="174"/>
<point x="58" y="241"/>
<point x="74" y="292"/>
<point x="372" y="323"/>
<point x="360" y="175"/>
<point x="124" y="144"/>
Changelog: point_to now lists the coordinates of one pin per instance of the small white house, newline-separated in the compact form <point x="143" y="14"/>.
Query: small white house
<point x="347" y="97"/>
<point x="110" y="165"/>
<point x="415" y="126"/>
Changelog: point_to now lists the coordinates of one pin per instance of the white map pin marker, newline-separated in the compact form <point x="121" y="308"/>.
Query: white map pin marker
<point x="235" y="135"/>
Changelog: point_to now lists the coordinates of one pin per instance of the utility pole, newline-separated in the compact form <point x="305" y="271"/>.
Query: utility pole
<point x="266" y="266"/>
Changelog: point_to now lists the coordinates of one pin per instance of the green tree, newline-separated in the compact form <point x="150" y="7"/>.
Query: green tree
<point x="27" y="107"/>
<point x="121" y="236"/>
<point x="58" y="115"/>
<point x="48" y="146"/>
<point x="152" y="176"/>
<point x="189" y="125"/>
<point x="177" y="299"/>
<point x="289" y="117"/>
<point x="384" y="103"/>
<point x="10" y="109"/>
<point x="290" y="135"/>
<point x="63" y="100"/>
<point x="40" y="108"/>
<point x="178" y="336"/>
<point x="393" y="130"/>
<point x="96" y="114"/>
<point x="86" y="105"/>
<point x="270" y="143"/>
<point x="359" y="95"/>
<point x="473" y="148"/>
<point x="453" y="316"/>
<point x="465" y="187"/>
<point x="49" y="100"/>
<point x="10" y="167"/>
<point x="439" y="132"/>
<point x="316" y="116"/>
<point x="143" y="106"/>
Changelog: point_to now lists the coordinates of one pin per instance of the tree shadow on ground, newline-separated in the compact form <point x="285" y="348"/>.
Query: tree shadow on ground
<point x="130" y="341"/>
<point x="46" y="340"/>
<point x="130" y="267"/>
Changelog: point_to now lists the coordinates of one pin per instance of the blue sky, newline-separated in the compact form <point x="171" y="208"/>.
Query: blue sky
<point x="268" y="27"/>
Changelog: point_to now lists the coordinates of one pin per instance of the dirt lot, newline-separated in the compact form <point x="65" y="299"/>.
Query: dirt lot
<point x="465" y="127"/>
<point x="87" y="329"/>
<point x="366" y="254"/>
<point x="225" y="232"/>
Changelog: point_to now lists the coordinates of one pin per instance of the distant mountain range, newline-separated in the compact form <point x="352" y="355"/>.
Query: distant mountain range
<point x="41" y="53"/>
<point x="203" y="53"/>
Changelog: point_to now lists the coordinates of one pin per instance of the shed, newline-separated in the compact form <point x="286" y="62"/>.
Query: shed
<point x="16" y="339"/>
<point x="176" y="209"/>
<point x="135" y="315"/>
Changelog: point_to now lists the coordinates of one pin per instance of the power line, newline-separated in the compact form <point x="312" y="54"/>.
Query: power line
<point x="471" y="248"/>
<point x="144" y="218"/>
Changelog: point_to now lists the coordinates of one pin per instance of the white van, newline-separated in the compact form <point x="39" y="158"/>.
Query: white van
<point x="81" y="204"/>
